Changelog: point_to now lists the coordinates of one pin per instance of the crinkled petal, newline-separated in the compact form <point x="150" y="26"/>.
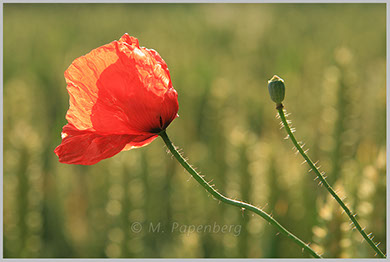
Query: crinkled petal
<point x="129" y="40"/>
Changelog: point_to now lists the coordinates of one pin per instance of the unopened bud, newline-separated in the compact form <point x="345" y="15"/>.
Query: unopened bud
<point x="276" y="89"/>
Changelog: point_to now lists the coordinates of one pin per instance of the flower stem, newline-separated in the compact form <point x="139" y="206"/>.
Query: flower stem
<point x="325" y="183"/>
<point x="229" y="201"/>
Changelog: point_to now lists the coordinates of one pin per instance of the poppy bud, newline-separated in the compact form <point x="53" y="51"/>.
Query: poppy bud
<point x="276" y="89"/>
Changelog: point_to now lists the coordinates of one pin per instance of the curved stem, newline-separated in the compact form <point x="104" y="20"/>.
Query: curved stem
<point x="325" y="183"/>
<point x="232" y="202"/>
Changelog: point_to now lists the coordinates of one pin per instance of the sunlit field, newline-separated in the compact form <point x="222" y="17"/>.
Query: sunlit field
<point x="141" y="203"/>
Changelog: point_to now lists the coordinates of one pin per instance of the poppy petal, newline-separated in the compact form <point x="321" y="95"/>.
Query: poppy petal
<point x="88" y="148"/>
<point x="81" y="77"/>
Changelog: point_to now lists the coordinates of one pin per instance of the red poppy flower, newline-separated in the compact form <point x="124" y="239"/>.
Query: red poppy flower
<point x="121" y="97"/>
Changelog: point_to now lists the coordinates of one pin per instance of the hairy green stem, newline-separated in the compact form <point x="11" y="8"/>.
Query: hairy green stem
<point x="229" y="201"/>
<point x="322" y="179"/>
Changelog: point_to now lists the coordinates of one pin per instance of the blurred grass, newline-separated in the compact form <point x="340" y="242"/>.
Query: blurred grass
<point x="333" y="59"/>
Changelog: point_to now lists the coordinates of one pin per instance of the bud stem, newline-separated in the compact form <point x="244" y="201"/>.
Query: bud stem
<point x="230" y="201"/>
<point x="326" y="184"/>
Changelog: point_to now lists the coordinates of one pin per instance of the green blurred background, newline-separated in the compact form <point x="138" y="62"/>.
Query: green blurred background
<point x="333" y="60"/>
